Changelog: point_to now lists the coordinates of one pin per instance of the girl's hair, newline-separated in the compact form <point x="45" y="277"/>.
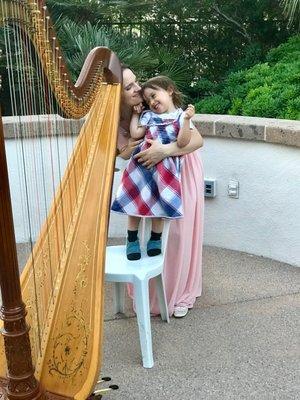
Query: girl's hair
<point x="164" y="82"/>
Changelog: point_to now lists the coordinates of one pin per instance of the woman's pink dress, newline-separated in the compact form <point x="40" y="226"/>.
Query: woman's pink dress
<point x="183" y="261"/>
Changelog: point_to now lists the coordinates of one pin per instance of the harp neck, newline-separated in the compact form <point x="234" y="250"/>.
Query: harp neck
<point x="75" y="100"/>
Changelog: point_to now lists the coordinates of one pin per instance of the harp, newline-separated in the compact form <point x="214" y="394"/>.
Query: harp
<point x="62" y="283"/>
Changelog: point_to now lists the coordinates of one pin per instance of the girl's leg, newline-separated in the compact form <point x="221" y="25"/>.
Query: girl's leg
<point x="157" y="225"/>
<point x="133" y="223"/>
<point x="133" y="250"/>
<point x="154" y="244"/>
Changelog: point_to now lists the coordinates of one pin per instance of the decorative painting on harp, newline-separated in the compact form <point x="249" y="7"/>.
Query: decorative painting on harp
<point x="61" y="287"/>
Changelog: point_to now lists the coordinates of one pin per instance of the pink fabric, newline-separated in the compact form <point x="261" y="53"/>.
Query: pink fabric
<point x="183" y="263"/>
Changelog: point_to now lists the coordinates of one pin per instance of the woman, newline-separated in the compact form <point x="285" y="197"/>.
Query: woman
<point x="183" y="263"/>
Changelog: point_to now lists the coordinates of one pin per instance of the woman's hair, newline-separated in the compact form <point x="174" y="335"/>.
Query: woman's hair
<point x="163" y="82"/>
<point x="124" y="66"/>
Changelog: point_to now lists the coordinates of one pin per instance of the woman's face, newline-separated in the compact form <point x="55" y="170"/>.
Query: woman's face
<point x="131" y="93"/>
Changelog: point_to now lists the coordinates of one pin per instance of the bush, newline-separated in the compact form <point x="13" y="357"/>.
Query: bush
<point x="293" y="109"/>
<point x="271" y="89"/>
<point x="285" y="52"/>
<point x="213" y="105"/>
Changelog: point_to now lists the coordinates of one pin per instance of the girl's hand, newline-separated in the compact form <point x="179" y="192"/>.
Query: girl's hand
<point x="189" y="112"/>
<point x="138" y="109"/>
<point x="150" y="157"/>
<point x="132" y="144"/>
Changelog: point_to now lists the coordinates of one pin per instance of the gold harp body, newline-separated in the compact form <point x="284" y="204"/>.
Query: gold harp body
<point x="62" y="282"/>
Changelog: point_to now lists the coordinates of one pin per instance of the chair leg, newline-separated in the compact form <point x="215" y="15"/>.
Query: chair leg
<point x="141" y="297"/>
<point x="161" y="295"/>
<point x="119" y="297"/>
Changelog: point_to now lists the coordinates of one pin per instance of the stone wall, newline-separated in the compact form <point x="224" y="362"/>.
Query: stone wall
<point x="261" y="154"/>
<point x="281" y="131"/>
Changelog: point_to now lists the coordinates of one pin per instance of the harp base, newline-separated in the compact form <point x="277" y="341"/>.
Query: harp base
<point x="43" y="396"/>
<point x="4" y="393"/>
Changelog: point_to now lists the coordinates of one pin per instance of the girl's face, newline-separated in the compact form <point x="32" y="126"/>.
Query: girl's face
<point x="131" y="94"/>
<point x="159" y="100"/>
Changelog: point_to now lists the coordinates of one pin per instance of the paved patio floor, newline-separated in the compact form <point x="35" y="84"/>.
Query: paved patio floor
<point x="240" y="341"/>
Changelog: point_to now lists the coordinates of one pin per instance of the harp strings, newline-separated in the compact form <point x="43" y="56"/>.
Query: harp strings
<point x="24" y="105"/>
<point x="13" y="68"/>
<point x="38" y="150"/>
<point x="39" y="141"/>
<point x="43" y="150"/>
<point x="11" y="71"/>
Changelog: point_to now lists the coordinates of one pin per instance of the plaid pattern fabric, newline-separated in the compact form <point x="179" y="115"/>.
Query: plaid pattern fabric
<point x="155" y="192"/>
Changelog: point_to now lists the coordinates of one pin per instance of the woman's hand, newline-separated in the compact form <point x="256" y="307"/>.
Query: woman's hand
<point x="127" y="150"/>
<point x="158" y="151"/>
<point x="150" y="157"/>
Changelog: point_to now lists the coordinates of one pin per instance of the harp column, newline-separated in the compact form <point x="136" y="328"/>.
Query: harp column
<point x="21" y="383"/>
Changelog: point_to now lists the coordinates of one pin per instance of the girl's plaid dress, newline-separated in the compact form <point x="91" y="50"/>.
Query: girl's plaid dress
<point x="153" y="192"/>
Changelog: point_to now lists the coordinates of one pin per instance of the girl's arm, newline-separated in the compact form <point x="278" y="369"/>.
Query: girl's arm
<point x="158" y="151"/>
<point x="184" y="134"/>
<point x="136" y="131"/>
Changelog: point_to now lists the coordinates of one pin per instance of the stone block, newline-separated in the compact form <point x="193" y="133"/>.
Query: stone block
<point x="284" y="135"/>
<point x="205" y="126"/>
<point x="239" y="130"/>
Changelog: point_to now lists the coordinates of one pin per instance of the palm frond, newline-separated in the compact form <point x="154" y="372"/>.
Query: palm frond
<point x="291" y="9"/>
<point x="96" y="10"/>
<point x="79" y="40"/>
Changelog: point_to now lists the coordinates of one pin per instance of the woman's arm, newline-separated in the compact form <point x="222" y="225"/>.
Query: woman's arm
<point x="126" y="151"/>
<point x="157" y="151"/>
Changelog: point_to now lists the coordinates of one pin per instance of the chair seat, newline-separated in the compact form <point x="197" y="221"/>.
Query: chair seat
<point x="119" y="269"/>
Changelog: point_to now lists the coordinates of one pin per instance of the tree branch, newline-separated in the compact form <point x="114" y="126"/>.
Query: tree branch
<point x="241" y="30"/>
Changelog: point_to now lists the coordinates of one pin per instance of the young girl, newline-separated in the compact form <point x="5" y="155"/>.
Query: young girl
<point x="154" y="192"/>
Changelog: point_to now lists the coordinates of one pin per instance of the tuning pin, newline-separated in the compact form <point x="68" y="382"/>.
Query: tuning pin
<point x="104" y="379"/>
<point x="97" y="394"/>
<point x="105" y="391"/>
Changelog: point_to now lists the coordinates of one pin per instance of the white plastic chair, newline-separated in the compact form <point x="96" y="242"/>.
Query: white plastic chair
<point x="120" y="270"/>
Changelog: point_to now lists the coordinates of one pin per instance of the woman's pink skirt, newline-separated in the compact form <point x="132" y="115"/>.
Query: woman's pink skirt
<point x="183" y="261"/>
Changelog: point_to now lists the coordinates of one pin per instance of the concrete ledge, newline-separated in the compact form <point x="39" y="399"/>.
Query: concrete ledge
<point x="280" y="131"/>
<point x="31" y="126"/>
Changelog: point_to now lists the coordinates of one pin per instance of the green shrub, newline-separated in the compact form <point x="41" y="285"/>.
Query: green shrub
<point x="261" y="102"/>
<point x="236" y="107"/>
<point x="213" y="105"/>
<point x="235" y="85"/>
<point x="288" y="51"/>
<point x="270" y="89"/>
<point x="293" y="109"/>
